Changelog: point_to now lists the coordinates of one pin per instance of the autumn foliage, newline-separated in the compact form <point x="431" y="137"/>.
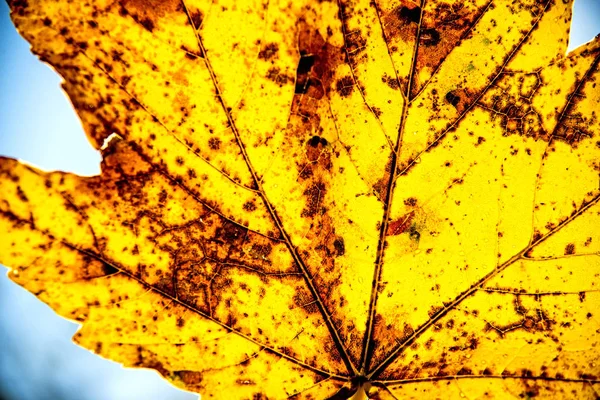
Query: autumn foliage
<point x="321" y="199"/>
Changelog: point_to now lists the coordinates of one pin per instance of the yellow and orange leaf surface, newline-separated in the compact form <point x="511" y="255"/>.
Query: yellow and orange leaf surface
<point x="322" y="199"/>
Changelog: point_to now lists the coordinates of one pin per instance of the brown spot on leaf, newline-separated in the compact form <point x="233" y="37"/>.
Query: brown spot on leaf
<point x="230" y="232"/>
<point x="214" y="143"/>
<point x="189" y="377"/>
<point x="400" y="225"/>
<point x="314" y="196"/>
<point x="269" y="52"/>
<point x="442" y="29"/>
<point x="147" y="24"/>
<point x="410" y="201"/>
<point x="274" y="74"/>
<point x="317" y="63"/>
<point x="249" y="206"/>
<point x="197" y="17"/>
<point x="345" y="86"/>
<point x="392" y="82"/>
<point x="570" y="249"/>
<point x="339" y="245"/>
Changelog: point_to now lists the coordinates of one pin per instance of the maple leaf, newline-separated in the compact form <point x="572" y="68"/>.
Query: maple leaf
<point x="322" y="199"/>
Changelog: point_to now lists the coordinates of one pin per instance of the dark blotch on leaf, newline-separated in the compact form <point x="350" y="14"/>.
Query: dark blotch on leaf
<point x="231" y="232"/>
<point x="108" y="269"/>
<point x="197" y="19"/>
<point x="314" y="141"/>
<point x="147" y="24"/>
<point x="340" y="247"/>
<point x="413" y="233"/>
<point x="343" y="394"/>
<point x="305" y="64"/>
<point x="452" y="98"/>
<point x="430" y="37"/>
<point x="301" y="87"/>
<point x="304" y="67"/>
<point x="410" y="14"/>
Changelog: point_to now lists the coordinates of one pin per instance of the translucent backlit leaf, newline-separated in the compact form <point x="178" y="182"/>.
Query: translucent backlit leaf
<point x="318" y="199"/>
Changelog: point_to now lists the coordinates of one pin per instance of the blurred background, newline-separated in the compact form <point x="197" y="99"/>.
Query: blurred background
<point x="38" y="361"/>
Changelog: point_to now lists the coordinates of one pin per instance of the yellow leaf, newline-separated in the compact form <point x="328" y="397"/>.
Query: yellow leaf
<point x="322" y="199"/>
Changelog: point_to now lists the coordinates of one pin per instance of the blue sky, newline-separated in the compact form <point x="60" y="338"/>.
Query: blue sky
<point x="37" y="124"/>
